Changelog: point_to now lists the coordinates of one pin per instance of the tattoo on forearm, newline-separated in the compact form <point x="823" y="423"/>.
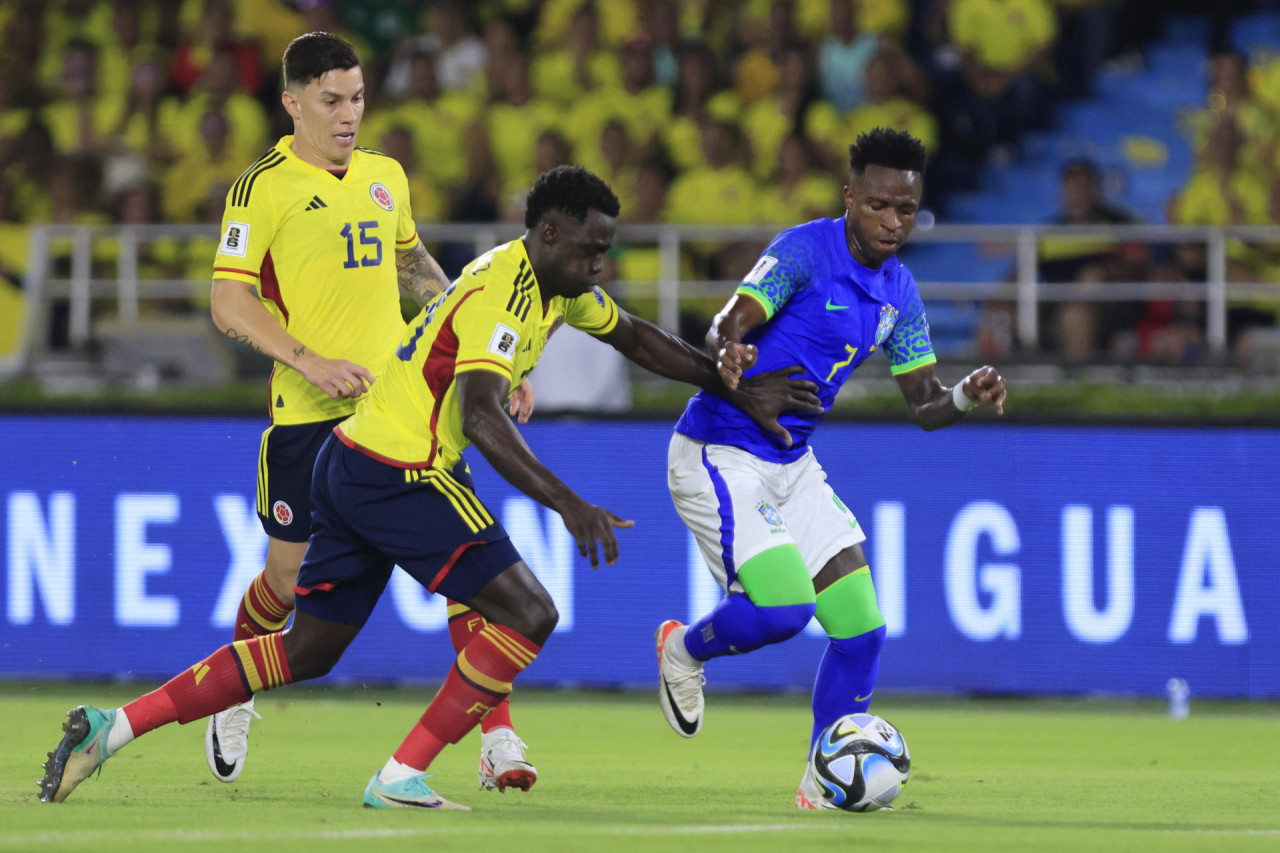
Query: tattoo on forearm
<point x="243" y="340"/>
<point x="299" y="352"/>
<point x="417" y="275"/>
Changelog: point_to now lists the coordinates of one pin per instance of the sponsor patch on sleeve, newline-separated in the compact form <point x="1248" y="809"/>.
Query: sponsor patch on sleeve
<point x="236" y="239"/>
<point x="503" y="342"/>
<point x="761" y="269"/>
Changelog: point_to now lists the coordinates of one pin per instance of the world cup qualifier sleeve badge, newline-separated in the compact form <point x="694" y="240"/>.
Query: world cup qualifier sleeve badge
<point x="888" y="318"/>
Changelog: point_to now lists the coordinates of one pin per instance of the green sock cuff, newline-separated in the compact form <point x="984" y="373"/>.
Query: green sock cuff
<point x="848" y="607"/>
<point x="777" y="577"/>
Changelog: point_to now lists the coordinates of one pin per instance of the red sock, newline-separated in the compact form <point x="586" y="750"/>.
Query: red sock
<point x="261" y="611"/>
<point x="420" y="748"/>
<point x="477" y="682"/>
<point x="465" y="624"/>
<point x="227" y="677"/>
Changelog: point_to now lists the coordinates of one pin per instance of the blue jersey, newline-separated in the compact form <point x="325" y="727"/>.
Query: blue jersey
<point x="825" y="312"/>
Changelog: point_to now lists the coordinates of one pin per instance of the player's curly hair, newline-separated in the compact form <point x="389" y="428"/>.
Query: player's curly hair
<point x="573" y="191"/>
<point x="315" y="54"/>
<point x="893" y="149"/>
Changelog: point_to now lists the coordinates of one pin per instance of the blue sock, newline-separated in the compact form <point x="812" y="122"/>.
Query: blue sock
<point x="738" y="625"/>
<point x="846" y="677"/>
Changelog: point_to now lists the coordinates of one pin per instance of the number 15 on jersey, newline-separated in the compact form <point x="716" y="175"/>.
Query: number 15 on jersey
<point x="367" y="238"/>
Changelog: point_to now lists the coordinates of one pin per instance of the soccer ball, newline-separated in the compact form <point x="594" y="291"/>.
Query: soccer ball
<point x="860" y="763"/>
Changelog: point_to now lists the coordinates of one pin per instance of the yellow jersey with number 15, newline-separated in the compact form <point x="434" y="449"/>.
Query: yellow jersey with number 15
<point x="490" y="318"/>
<point x="321" y="250"/>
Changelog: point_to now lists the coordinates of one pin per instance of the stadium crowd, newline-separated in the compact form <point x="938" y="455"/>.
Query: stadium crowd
<point x="700" y="111"/>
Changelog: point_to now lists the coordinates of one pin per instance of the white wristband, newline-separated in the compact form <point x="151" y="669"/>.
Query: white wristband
<point x="959" y="399"/>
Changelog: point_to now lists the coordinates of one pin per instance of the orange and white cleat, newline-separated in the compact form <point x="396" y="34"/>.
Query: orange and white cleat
<point x="503" y="763"/>
<point x="809" y="795"/>
<point x="679" y="685"/>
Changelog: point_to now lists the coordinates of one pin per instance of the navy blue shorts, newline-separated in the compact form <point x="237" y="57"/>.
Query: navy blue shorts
<point x="286" y="460"/>
<point x="368" y="517"/>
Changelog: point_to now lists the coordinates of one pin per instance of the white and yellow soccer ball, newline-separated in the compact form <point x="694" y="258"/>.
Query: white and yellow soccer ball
<point x="860" y="763"/>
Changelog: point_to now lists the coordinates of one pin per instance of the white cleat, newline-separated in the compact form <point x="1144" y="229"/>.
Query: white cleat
<point x="226" y="740"/>
<point x="679" y="685"/>
<point x="809" y="795"/>
<point x="502" y="762"/>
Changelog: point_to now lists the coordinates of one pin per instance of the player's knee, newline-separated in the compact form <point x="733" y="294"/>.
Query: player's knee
<point x="783" y="623"/>
<point x="848" y="609"/>
<point x="313" y="661"/>
<point x="311" y="655"/>
<point x="542" y="620"/>
<point x="536" y="618"/>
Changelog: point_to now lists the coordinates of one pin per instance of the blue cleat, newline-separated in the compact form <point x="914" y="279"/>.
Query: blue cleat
<point x="82" y="750"/>
<point x="411" y="793"/>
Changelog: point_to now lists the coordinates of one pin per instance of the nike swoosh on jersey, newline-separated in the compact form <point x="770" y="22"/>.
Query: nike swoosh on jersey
<point x="831" y="306"/>
<point x="685" y="726"/>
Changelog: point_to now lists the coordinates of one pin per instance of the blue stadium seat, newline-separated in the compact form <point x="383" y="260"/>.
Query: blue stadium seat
<point x="953" y="326"/>
<point x="962" y="262"/>
<point x="1188" y="29"/>
<point x="1130" y="128"/>
<point x="1256" y="33"/>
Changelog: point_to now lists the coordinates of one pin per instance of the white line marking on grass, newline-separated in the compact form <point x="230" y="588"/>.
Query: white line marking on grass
<point x="216" y="835"/>
<point x="1222" y="832"/>
<point x="704" y="830"/>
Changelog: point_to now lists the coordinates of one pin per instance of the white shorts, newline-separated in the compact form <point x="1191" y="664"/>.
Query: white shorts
<point x="738" y="505"/>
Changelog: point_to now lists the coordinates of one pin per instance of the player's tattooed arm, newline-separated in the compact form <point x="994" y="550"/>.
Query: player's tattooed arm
<point x="933" y="406"/>
<point x="420" y="275"/>
<point x="240" y="314"/>
<point x="243" y="340"/>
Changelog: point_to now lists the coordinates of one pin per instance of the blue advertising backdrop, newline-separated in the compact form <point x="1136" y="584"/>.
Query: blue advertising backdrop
<point x="1006" y="558"/>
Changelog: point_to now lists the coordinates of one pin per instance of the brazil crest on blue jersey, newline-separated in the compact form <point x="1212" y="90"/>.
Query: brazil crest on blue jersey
<point x="825" y="312"/>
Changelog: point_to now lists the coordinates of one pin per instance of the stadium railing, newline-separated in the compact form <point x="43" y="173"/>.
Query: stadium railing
<point x="80" y="289"/>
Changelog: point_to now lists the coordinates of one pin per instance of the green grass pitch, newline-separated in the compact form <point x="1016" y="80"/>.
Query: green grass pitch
<point x="1042" y="775"/>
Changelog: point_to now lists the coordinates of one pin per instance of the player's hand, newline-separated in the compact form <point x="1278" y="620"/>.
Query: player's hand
<point x="521" y="407"/>
<point x="732" y="360"/>
<point x="766" y="395"/>
<point x="336" y="377"/>
<point x="589" y="525"/>
<point x="986" y="385"/>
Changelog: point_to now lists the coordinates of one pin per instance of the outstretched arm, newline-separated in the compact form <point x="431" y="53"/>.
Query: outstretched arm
<point x="481" y="394"/>
<point x="762" y="397"/>
<point x="239" y="314"/>
<point x="933" y="406"/>
<point x="419" y="274"/>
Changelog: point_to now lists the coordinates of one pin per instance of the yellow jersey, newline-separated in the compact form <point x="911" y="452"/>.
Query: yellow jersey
<point x="321" y="249"/>
<point x="490" y="318"/>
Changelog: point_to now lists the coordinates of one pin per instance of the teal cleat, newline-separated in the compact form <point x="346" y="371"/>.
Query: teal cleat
<point x="411" y="793"/>
<point x="82" y="750"/>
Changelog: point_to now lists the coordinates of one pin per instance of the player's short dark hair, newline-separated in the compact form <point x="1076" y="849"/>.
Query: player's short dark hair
<point x="573" y="191"/>
<point x="892" y="149"/>
<point x="315" y="54"/>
